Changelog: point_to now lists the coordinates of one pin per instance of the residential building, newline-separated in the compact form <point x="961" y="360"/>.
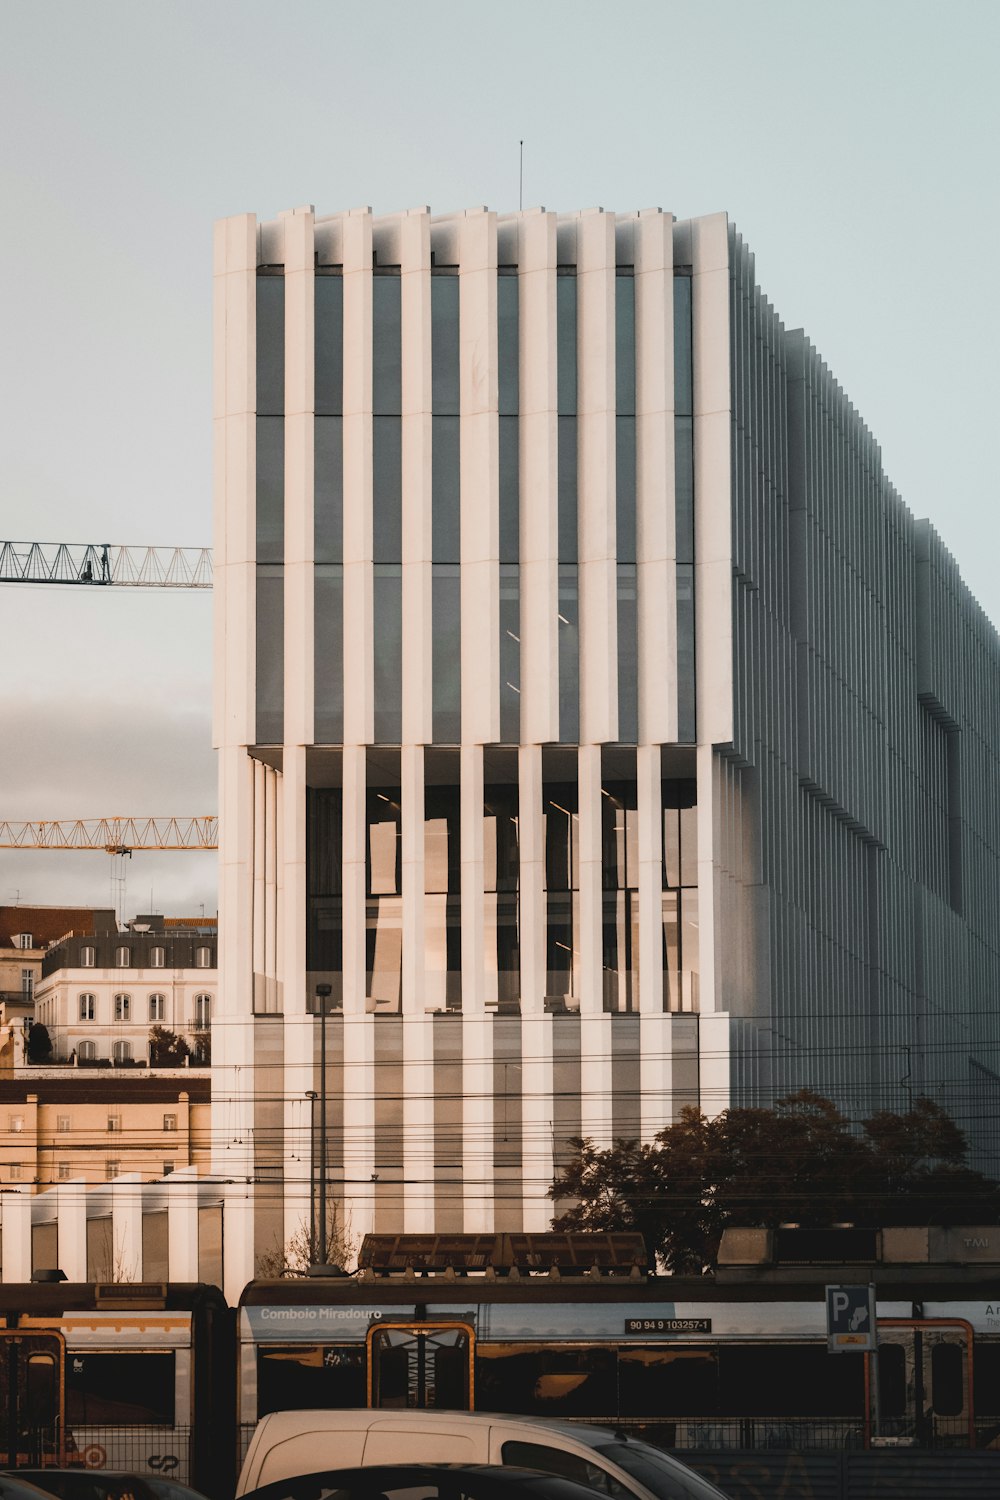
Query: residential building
<point x="599" y="733"/>
<point x="92" y="1126"/>
<point x="26" y="932"/>
<point x="102" y="994"/>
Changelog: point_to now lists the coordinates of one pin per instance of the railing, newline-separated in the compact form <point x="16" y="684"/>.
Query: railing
<point x="738" y="1432"/>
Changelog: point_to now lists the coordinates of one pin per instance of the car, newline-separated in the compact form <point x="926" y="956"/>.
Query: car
<point x="13" y="1487"/>
<point x="102" y="1484"/>
<point x="286" y="1443"/>
<point x="424" y="1482"/>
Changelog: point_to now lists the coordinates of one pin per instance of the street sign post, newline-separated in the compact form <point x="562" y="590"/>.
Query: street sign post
<point x="852" y="1328"/>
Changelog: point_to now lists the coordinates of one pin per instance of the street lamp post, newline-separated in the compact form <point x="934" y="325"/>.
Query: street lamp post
<point x="312" y="1096"/>
<point x="323" y="992"/>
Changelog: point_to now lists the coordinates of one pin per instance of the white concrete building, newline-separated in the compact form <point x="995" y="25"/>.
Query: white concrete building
<point x="579" y="721"/>
<point x="102" y="993"/>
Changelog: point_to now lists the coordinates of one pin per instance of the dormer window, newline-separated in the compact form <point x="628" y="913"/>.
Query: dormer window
<point x="24" y="940"/>
<point x="88" y="957"/>
<point x="123" y="957"/>
<point x="203" y="958"/>
<point x="157" y="958"/>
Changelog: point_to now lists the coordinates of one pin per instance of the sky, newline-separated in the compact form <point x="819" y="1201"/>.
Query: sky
<point x="854" y="146"/>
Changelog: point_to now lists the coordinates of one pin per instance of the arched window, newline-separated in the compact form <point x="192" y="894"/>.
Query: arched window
<point x="157" y="1007"/>
<point x="88" y="957"/>
<point x="123" y="957"/>
<point x="157" y="958"/>
<point x="121" y="1052"/>
<point x="203" y="958"/>
<point x="88" y="1006"/>
<point x="202" y="1012"/>
<point x="86" y="1051"/>
<point x="123" y="1007"/>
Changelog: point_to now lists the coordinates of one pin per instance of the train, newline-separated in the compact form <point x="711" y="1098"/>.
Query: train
<point x="169" y="1379"/>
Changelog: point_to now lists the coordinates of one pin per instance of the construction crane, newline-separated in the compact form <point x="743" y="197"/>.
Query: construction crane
<point x="113" y="835"/>
<point x="101" y="565"/>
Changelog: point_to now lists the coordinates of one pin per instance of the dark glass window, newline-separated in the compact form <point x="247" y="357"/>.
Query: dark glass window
<point x="311" y="1377"/>
<point x="324" y="884"/>
<point x="270" y="654"/>
<point x="684" y="488"/>
<point x="628" y="656"/>
<point x="270" y="489"/>
<point x="445" y="503"/>
<point x="386" y="354"/>
<point x="546" y="1381"/>
<point x="510" y="654"/>
<point x="501" y="872"/>
<point x="270" y="345"/>
<point x="384" y="884"/>
<point x="566" y="340"/>
<point x="625" y="488"/>
<point x="562" y="874"/>
<point x="569" y="655"/>
<point x="124" y="1390"/>
<point x="685" y="654"/>
<point x="507" y="341"/>
<point x="788" y="1380"/>
<point x="510" y="491"/>
<point x="387" y="490"/>
<point x="620" y="879"/>
<point x="567" y="501"/>
<point x="683" y="1382"/>
<point x="328" y="480"/>
<point x="443" y="881"/>
<point x="446" y="665"/>
<point x="329" y="653"/>
<point x="892" y="1380"/>
<point x="947" y="1386"/>
<point x="625" y="342"/>
<point x="683" y="386"/>
<point x="444" y="344"/>
<point x="329" y="345"/>
<point x="388" y="622"/>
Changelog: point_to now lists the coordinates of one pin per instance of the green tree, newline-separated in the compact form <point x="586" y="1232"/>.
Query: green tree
<point x="166" y="1048"/>
<point x="39" y="1043"/>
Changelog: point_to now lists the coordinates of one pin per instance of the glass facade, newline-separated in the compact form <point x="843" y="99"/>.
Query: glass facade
<point x="442" y="882"/>
<point x="562" y="878"/>
<point x="387" y="490"/>
<point x="508" y="326"/>
<point x="501" y="878"/>
<point x="328" y="507"/>
<point x="680" y="895"/>
<point x="620" y="880"/>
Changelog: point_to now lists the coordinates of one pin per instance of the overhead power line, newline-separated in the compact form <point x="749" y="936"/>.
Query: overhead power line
<point x="106" y="565"/>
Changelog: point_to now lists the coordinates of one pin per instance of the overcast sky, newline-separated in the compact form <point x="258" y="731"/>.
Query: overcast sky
<point x="853" y="144"/>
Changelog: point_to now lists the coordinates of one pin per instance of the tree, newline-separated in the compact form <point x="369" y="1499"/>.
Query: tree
<point x="801" y="1162"/>
<point x="294" y="1257"/>
<point x="166" y="1048"/>
<point x="39" y="1043"/>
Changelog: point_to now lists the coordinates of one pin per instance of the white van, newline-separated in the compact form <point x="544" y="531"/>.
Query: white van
<point x="287" y="1443"/>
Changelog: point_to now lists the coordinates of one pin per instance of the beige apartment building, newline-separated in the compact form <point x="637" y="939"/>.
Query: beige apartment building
<point x="97" y="1125"/>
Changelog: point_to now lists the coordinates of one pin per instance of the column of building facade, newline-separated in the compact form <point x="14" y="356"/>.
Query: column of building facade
<point x="656" y="577"/>
<point x="359" y="1059"/>
<point x="299" y="255"/>
<point x="537" y="258"/>
<point x="234" y="407"/>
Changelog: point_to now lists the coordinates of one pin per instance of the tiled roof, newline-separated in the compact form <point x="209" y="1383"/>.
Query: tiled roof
<point x="46" y="923"/>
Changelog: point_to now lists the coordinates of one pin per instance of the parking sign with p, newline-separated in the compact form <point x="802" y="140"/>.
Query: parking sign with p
<point x="850" y="1319"/>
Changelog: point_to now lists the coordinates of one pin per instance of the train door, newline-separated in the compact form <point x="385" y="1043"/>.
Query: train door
<point x="32" y="1398"/>
<point x="421" y="1366"/>
<point x="925" y="1382"/>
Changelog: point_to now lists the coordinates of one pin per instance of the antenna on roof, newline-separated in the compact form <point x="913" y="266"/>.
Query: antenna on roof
<point x="520" y="184"/>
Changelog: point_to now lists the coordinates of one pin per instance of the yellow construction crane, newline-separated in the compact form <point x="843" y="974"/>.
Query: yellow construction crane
<point x="103" y="565"/>
<point x="113" y="835"/>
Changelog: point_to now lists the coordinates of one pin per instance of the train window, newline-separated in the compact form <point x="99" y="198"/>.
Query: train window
<point x="311" y="1375"/>
<point x="891" y="1379"/>
<point x="42" y="1390"/>
<point x="789" y="1380"/>
<point x="948" y="1395"/>
<point x="546" y="1381"/>
<point x="987" y="1377"/>
<point x="127" y="1390"/>
<point x="682" y="1382"/>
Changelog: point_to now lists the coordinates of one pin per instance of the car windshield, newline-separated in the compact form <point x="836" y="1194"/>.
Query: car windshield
<point x="658" y="1473"/>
